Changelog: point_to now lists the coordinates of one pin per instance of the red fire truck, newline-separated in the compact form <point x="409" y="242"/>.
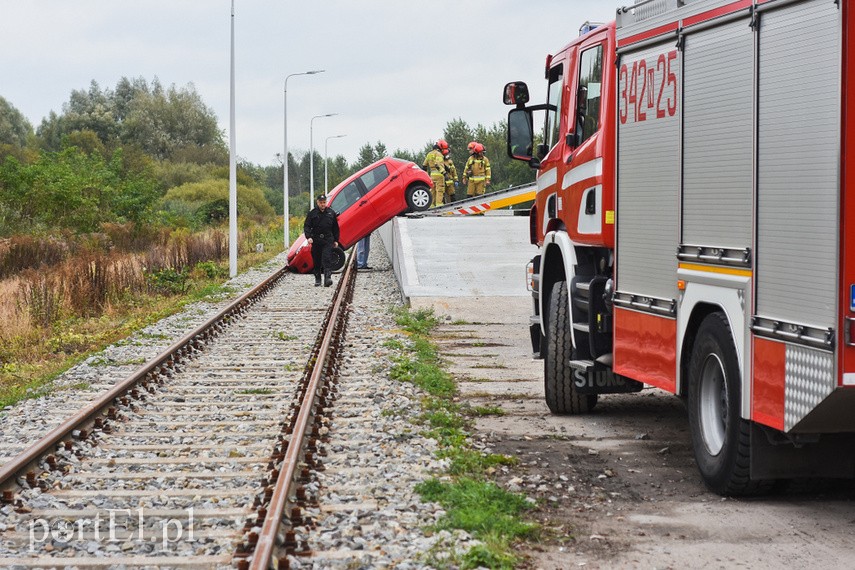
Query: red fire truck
<point x="695" y="228"/>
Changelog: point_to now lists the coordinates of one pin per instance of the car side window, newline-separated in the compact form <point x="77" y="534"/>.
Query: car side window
<point x="346" y="197"/>
<point x="374" y="177"/>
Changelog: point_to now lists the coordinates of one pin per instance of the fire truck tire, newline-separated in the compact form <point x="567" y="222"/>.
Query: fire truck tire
<point x="419" y="198"/>
<point x="561" y="395"/>
<point x="720" y="437"/>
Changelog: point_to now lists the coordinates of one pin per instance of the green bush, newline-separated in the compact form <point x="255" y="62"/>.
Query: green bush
<point x="74" y="190"/>
<point x="213" y="212"/>
<point x="168" y="281"/>
<point x="205" y="199"/>
<point x="212" y="270"/>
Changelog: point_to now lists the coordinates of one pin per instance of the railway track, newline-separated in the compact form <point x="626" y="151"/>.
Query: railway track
<point x="192" y="461"/>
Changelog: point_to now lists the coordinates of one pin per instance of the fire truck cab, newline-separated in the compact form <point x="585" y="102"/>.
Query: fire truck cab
<point x="694" y="231"/>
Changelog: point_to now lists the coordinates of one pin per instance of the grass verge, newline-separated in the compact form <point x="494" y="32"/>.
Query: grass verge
<point x="472" y="501"/>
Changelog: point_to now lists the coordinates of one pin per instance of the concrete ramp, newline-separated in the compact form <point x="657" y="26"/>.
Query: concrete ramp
<point x="470" y="256"/>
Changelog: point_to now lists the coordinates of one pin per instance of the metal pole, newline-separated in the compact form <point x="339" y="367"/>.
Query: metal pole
<point x="326" y="161"/>
<point x="233" y="233"/>
<point x="285" y="213"/>
<point x="312" y="158"/>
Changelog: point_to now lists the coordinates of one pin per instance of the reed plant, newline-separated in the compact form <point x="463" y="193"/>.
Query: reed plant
<point x="56" y="311"/>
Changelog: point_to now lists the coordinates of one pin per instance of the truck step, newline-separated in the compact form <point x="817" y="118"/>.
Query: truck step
<point x="581" y="364"/>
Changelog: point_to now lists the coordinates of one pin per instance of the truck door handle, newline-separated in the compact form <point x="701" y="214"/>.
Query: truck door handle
<point x="591" y="203"/>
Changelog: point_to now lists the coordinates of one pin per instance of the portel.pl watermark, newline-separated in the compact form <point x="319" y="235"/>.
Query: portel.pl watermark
<point x="112" y="525"/>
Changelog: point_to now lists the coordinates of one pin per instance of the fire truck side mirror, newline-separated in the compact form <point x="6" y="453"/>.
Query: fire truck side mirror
<point x="520" y="135"/>
<point x="516" y="93"/>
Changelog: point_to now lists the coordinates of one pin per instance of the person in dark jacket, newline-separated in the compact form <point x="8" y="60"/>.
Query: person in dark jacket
<point x="321" y="229"/>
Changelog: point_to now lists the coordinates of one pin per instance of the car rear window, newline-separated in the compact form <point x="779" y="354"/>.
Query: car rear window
<point x="346" y="197"/>
<point x="374" y="177"/>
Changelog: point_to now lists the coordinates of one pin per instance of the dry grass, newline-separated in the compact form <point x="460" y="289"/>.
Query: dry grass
<point x="55" y="315"/>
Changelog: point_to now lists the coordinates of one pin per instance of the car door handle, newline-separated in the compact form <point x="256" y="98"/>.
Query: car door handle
<point x="363" y="202"/>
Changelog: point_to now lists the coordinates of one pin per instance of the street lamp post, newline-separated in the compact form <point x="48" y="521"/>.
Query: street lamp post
<point x="285" y="215"/>
<point x="326" y="160"/>
<point x="312" y="158"/>
<point x="233" y="225"/>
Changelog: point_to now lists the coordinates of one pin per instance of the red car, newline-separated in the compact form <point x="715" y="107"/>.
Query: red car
<point x="364" y="202"/>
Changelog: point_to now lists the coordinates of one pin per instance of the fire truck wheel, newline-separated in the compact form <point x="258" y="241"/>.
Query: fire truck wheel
<point x="419" y="198"/>
<point x="720" y="437"/>
<point x="561" y="395"/>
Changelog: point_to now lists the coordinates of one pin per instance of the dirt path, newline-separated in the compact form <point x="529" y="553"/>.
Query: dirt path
<point x="618" y="488"/>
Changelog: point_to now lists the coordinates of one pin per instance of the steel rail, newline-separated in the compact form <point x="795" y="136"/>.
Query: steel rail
<point x="261" y="557"/>
<point x="28" y="458"/>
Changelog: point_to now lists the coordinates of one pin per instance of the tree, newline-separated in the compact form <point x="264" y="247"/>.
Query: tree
<point x="504" y="171"/>
<point x="75" y="190"/>
<point x="164" y="123"/>
<point x="92" y="110"/>
<point x="368" y="155"/>
<point x="15" y="129"/>
<point x="364" y="157"/>
<point x="458" y="134"/>
<point x="338" y="170"/>
<point x="171" y="123"/>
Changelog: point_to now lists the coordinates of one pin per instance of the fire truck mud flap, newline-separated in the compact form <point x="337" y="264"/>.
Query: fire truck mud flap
<point x="590" y="377"/>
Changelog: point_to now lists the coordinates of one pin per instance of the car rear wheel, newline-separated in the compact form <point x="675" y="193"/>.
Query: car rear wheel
<point x="419" y="198"/>
<point x="337" y="258"/>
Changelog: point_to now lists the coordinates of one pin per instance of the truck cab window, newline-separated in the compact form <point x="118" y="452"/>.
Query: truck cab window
<point x="556" y="88"/>
<point x="588" y="94"/>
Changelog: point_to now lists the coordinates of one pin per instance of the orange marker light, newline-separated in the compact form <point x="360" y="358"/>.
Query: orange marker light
<point x="681" y="285"/>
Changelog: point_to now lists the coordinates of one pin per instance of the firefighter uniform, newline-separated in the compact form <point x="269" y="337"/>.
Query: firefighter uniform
<point x="434" y="164"/>
<point x="476" y="174"/>
<point x="450" y="179"/>
<point x="321" y="226"/>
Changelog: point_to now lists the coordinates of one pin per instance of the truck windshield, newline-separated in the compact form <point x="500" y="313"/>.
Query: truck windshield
<point x="556" y="88"/>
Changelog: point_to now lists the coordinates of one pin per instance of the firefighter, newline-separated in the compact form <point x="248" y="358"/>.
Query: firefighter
<point x="476" y="173"/>
<point x="321" y="230"/>
<point x="450" y="177"/>
<point x="434" y="164"/>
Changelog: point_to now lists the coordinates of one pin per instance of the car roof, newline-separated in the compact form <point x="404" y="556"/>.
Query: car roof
<point x="398" y="162"/>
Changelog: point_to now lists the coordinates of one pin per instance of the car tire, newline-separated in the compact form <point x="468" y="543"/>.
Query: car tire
<point x="337" y="256"/>
<point x="419" y="198"/>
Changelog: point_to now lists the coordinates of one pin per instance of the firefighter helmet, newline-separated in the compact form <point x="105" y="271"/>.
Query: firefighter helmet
<point x="471" y="146"/>
<point x="441" y="145"/>
<point x="478" y="148"/>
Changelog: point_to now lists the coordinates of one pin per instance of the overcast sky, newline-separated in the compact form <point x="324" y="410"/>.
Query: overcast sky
<point x="396" y="70"/>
